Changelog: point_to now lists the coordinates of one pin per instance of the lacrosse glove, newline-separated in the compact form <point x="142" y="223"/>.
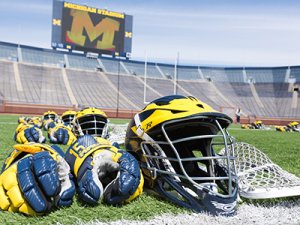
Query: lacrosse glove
<point x="29" y="133"/>
<point x="61" y="134"/>
<point x="104" y="172"/>
<point x="34" y="179"/>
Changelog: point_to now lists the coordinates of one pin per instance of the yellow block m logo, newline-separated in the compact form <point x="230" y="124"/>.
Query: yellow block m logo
<point x="128" y="34"/>
<point x="56" y="22"/>
<point x="106" y="27"/>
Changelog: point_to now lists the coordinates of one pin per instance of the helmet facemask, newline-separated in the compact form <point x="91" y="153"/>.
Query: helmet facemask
<point x="93" y="124"/>
<point x="50" y="116"/>
<point x="68" y="118"/>
<point x="184" y="153"/>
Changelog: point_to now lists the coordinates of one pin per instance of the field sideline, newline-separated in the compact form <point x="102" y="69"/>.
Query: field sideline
<point x="282" y="148"/>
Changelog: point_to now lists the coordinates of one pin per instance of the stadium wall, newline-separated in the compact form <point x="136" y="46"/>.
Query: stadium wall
<point x="34" y="109"/>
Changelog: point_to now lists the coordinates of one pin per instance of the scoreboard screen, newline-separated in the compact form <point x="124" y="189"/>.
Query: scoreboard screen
<point x="89" y="29"/>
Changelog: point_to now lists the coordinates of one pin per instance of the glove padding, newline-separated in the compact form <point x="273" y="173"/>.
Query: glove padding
<point x="104" y="172"/>
<point x="34" y="179"/>
<point x="26" y="133"/>
<point x="61" y="134"/>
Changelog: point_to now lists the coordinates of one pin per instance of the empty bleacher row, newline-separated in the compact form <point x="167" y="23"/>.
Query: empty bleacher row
<point x="41" y="76"/>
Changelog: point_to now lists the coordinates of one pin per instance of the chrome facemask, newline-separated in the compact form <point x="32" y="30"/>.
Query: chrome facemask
<point x="50" y="116"/>
<point x="94" y="125"/>
<point x="213" y="169"/>
<point x="68" y="119"/>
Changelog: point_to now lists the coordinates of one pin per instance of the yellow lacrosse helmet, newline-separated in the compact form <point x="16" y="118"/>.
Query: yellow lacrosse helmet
<point x="176" y="141"/>
<point x="258" y="122"/>
<point x="294" y="124"/>
<point x="49" y="115"/>
<point x="68" y="116"/>
<point x="91" y="121"/>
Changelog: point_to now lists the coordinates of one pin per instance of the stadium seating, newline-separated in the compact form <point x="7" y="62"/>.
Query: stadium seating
<point x="43" y="57"/>
<point x="260" y="75"/>
<point x="90" y="89"/>
<point x="32" y="75"/>
<point x="295" y="73"/>
<point x="8" y="51"/>
<point x="162" y="86"/>
<point x="138" y="68"/>
<point x="131" y="88"/>
<point x="214" y="74"/>
<point x="112" y="66"/>
<point x="279" y="74"/>
<point x="235" y="75"/>
<point x="266" y="93"/>
<point x="188" y="73"/>
<point x="167" y="70"/>
<point x="198" y="89"/>
<point x="42" y="85"/>
<point x="8" y="87"/>
<point x="80" y="62"/>
<point x="240" y="94"/>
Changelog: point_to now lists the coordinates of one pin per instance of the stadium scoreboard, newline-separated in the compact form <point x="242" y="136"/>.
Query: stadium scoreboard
<point x="89" y="29"/>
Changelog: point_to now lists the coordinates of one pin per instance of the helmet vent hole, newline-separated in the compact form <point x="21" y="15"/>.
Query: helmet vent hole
<point x="162" y="103"/>
<point x="176" y="111"/>
<point x="200" y="105"/>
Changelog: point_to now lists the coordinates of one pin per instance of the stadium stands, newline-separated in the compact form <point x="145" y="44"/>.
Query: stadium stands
<point x="239" y="94"/>
<point x="162" y="86"/>
<point x="42" y="85"/>
<point x="266" y="93"/>
<point x="260" y="75"/>
<point x="42" y="76"/>
<point x="138" y="68"/>
<point x="43" y="57"/>
<point x="80" y="62"/>
<point x="295" y="73"/>
<point x="8" y="51"/>
<point x="8" y="87"/>
<point x="112" y="66"/>
<point x="188" y="73"/>
<point x="235" y="75"/>
<point x="131" y="88"/>
<point x="197" y="89"/>
<point x="214" y="74"/>
<point x="283" y="100"/>
<point x="167" y="70"/>
<point x="94" y="89"/>
<point x="279" y="74"/>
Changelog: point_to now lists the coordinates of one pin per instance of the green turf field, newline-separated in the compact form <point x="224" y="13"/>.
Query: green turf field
<point x="282" y="148"/>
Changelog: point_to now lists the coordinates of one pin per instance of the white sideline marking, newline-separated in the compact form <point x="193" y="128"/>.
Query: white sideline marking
<point x="281" y="213"/>
<point x="15" y="123"/>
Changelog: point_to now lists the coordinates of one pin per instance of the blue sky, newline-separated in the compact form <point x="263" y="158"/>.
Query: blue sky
<point x="211" y="32"/>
